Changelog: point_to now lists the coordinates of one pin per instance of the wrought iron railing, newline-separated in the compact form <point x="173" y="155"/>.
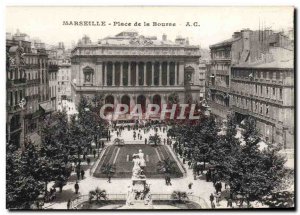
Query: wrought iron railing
<point x="155" y="197"/>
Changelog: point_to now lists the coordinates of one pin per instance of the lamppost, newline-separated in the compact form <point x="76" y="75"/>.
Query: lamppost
<point x="22" y="104"/>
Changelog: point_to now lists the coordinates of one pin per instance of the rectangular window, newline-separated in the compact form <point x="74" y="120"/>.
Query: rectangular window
<point x="280" y="93"/>
<point x="274" y="91"/>
<point x="277" y="75"/>
<point x="271" y="75"/>
<point x="261" y="89"/>
<point x="264" y="74"/>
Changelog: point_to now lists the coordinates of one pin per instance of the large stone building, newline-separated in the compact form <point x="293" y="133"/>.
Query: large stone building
<point x="64" y="76"/>
<point x="252" y="74"/>
<point x="53" y="70"/>
<point x="245" y="47"/>
<point x="27" y="88"/>
<point x="265" y="91"/>
<point x="133" y="69"/>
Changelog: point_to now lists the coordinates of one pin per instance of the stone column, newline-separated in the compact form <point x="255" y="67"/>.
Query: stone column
<point x="145" y="73"/>
<point x="160" y="73"/>
<point x="152" y="74"/>
<point x="113" y="74"/>
<point x="121" y="71"/>
<point x="168" y="73"/>
<point x="105" y="74"/>
<point x="129" y="73"/>
<point x="98" y="73"/>
<point x="175" y="74"/>
<point x="181" y="73"/>
<point x="137" y="74"/>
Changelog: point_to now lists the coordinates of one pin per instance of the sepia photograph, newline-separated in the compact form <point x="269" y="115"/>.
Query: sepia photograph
<point x="150" y="108"/>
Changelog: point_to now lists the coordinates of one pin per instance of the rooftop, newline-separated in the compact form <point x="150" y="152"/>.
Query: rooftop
<point x="132" y="38"/>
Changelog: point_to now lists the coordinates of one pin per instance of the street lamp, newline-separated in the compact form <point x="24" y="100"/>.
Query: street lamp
<point x="22" y="104"/>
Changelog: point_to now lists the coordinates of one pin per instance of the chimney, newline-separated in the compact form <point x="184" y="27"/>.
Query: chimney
<point x="236" y="34"/>
<point x="164" y="37"/>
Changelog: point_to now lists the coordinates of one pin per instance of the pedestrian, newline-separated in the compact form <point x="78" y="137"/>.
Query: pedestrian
<point x="76" y="186"/>
<point x="169" y="181"/>
<point x="207" y="176"/>
<point x="190" y="185"/>
<point x="229" y="202"/>
<point x="84" y="155"/>
<point x="183" y="160"/>
<point x="166" y="180"/>
<point x="218" y="198"/>
<point x="78" y="174"/>
<point x="189" y="164"/>
<point x="145" y="141"/>
<point x="69" y="204"/>
<point x="211" y="198"/>
<point x="88" y="160"/>
<point x="82" y="174"/>
<point x="94" y="152"/>
<point x="218" y="186"/>
<point x="109" y="178"/>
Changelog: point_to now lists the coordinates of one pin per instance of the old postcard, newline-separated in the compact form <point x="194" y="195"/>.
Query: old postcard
<point x="149" y="108"/>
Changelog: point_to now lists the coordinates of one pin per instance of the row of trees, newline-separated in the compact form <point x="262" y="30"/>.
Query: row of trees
<point x="28" y="172"/>
<point x="250" y="171"/>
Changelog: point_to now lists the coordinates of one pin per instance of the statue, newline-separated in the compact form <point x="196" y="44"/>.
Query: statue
<point x="139" y="165"/>
<point x="139" y="190"/>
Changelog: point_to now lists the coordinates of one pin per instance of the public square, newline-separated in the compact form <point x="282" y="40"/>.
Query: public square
<point x="170" y="114"/>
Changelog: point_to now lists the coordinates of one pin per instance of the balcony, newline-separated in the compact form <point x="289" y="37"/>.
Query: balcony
<point x="34" y="81"/>
<point x="13" y="109"/>
<point x="220" y="88"/>
<point x="15" y="82"/>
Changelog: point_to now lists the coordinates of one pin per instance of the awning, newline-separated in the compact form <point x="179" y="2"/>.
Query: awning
<point x="46" y="107"/>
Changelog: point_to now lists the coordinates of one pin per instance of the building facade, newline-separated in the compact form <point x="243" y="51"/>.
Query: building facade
<point x="202" y="79"/>
<point x="53" y="70"/>
<point x="133" y="69"/>
<point x="15" y="88"/>
<point x="265" y="91"/>
<point x="64" y="79"/>
<point x="245" y="47"/>
<point x="253" y="74"/>
<point x="27" y="88"/>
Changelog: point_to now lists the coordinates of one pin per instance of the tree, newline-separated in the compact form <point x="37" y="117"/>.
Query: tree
<point x="22" y="184"/>
<point x="54" y="152"/>
<point x="180" y="196"/>
<point x="167" y="166"/>
<point x="88" y="117"/>
<point x="108" y="170"/>
<point x="155" y="139"/>
<point x="98" y="194"/>
<point x="250" y="172"/>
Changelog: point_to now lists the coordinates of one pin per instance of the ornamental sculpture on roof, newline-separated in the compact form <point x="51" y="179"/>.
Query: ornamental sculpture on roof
<point x="141" y="41"/>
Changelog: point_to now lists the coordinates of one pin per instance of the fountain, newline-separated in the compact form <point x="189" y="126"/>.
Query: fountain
<point x="138" y="193"/>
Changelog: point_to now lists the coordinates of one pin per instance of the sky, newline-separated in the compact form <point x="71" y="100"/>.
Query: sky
<point x="214" y="24"/>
